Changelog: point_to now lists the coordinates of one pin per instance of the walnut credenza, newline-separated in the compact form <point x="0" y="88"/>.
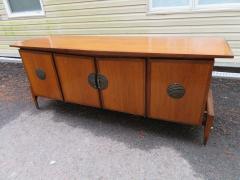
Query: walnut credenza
<point x="164" y="78"/>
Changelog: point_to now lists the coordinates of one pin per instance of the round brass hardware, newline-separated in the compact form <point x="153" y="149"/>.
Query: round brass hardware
<point x="97" y="81"/>
<point x="40" y="74"/>
<point x="102" y="82"/>
<point x="176" y="91"/>
<point x="92" y="80"/>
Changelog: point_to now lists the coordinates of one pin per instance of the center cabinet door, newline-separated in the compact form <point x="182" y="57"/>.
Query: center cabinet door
<point x="73" y="74"/>
<point x="126" y="84"/>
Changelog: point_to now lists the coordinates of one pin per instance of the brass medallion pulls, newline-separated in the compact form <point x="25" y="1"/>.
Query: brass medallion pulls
<point x="97" y="81"/>
<point x="102" y="82"/>
<point x="92" y="80"/>
<point x="40" y="74"/>
<point x="176" y="91"/>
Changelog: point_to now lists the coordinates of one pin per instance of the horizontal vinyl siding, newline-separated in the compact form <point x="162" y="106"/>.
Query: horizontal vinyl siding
<point x="118" y="17"/>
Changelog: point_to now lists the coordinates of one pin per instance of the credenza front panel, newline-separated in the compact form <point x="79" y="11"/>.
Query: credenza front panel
<point x="177" y="90"/>
<point x="126" y="84"/>
<point x="41" y="73"/>
<point x="73" y="74"/>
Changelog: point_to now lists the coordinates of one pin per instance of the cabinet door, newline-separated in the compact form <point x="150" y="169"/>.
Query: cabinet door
<point x="126" y="84"/>
<point x="73" y="73"/>
<point x="167" y="78"/>
<point x="41" y="74"/>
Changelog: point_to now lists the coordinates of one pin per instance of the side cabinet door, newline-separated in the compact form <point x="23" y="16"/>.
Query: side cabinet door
<point x="126" y="84"/>
<point x="73" y="73"/>
<point x="41" y="74"/>
<point x="177" y="90"/>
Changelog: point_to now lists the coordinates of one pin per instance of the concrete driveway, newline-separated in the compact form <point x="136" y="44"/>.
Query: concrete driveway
<point x="66" y="141"/>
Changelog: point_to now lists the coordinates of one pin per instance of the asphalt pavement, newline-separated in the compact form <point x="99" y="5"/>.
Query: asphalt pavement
<point x="64" y="141"/>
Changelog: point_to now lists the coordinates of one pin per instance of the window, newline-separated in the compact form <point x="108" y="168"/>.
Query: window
<point x="192" y="5"/>
<point x="218" y="1"/>
<point x="170" y="4"/>
<point x="19" y="8"/>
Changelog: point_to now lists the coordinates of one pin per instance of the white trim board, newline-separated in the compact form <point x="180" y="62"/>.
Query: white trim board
<point x="10" y="60"/>
<point x="225" y="74"/>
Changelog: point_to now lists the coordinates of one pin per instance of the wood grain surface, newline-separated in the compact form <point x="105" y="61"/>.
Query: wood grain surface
<point x="49" y="87"/>
<point x="194" y="76"/>
<point x="126" y="84"/>
<point x="140" y="46"/>
<point x="73" y="74"/>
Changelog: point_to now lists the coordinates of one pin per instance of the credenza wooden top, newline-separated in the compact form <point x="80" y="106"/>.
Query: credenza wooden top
<point x="141" y="46"/>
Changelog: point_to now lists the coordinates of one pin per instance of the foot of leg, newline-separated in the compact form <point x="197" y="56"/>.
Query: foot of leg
<point x="207" y="128"/>
<point x="35" y="98"/>
<point x="210" y="117"/>
<point x="36" y="101"/>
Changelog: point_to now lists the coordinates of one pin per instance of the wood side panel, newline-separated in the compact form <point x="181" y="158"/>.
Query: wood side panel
<point x="49" y="87"/>
<point x="73" y="74"/>
<point x="126" y="84"/>
<point x="194" y="76"/>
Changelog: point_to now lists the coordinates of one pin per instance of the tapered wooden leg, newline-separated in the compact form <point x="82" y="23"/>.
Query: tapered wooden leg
<point x="35" y="99"/>
<point x="207" y="128"/>
<point x="208" y="125"/>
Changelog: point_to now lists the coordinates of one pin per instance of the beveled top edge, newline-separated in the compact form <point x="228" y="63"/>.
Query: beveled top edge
<point x="142" y="46"/>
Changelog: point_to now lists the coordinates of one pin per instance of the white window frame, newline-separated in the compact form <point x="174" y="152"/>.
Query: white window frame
<point x="23" y="14"/>
<point x="193" y="7"/>
<point x="223" y="6"/>
<point x="170" y="9"/>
